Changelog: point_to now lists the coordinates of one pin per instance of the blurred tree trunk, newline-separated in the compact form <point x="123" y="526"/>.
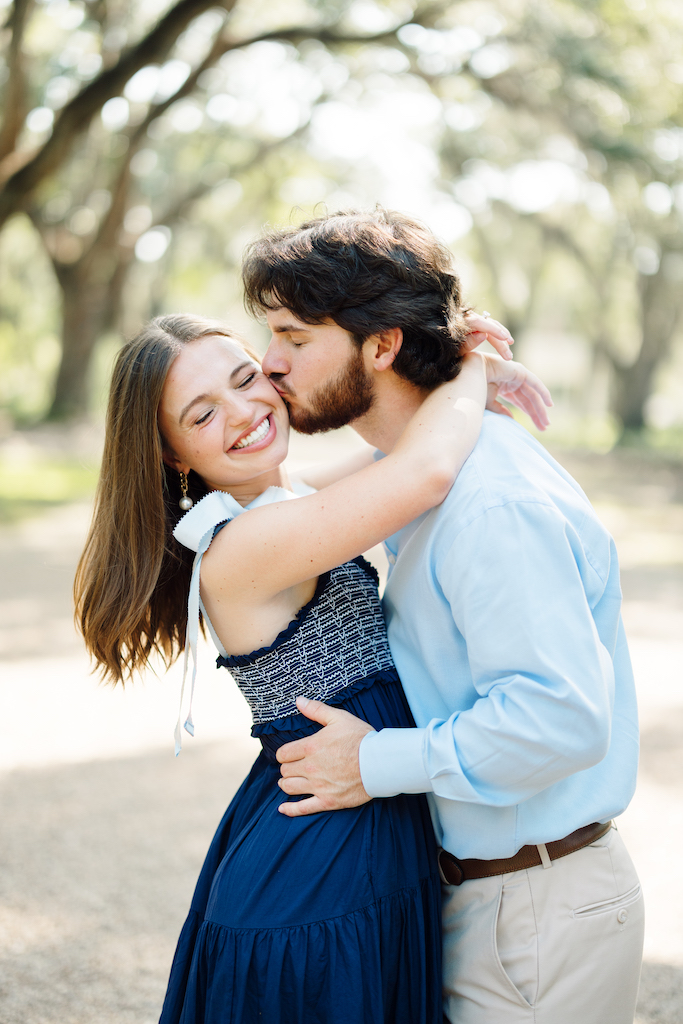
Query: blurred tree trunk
<point x="92" y="286"/>
<point x="660" y="312"/>
<point x="15" y="100"/>
<point x="91" y="296"/>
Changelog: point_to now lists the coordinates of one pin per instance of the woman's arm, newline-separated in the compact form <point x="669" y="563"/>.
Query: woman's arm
<point x="275" y="547"/>
<point x="278" y="546"/>
<point x="511" y="381"/>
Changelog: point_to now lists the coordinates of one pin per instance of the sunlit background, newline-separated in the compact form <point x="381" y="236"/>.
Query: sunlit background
<point x="142" y="145"/>
<point x="542" y="141"/>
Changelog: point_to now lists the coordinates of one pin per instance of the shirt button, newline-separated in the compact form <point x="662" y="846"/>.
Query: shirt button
<point x="622" y="916"/>
<point x="392" y="558"/>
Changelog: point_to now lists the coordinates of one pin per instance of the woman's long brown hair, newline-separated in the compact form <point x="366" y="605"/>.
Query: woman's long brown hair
<point x="133" y="577"/>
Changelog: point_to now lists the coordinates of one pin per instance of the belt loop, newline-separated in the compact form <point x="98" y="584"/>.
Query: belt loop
<point x="543" y="854"/>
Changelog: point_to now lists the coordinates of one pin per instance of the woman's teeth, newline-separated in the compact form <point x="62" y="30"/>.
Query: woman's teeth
<point x="256" y="435"/>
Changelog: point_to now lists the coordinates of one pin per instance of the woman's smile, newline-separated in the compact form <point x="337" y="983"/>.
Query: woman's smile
<point x="259" y="437"/>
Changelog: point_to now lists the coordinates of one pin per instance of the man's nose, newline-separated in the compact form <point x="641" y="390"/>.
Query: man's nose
<point x="275" y="359"/>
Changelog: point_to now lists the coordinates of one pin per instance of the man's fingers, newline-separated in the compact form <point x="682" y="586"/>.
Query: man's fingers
<point x="294" y="751"/>
<point x="295" y="785"/>
<point x="288" y="769"/>
<point x="317" y="711"/>
<point x="299" y="808"/>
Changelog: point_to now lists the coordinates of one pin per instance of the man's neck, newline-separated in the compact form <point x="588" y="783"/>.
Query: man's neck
<point x="396" y="401"/>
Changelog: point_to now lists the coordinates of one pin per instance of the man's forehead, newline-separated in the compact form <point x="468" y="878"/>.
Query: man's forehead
<point x="281" y="320"/>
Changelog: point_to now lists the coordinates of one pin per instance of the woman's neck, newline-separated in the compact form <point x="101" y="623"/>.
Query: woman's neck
<point x="248" y="490"/>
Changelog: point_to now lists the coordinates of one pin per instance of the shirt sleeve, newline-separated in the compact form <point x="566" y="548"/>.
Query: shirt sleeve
<point x="517" y="581"/>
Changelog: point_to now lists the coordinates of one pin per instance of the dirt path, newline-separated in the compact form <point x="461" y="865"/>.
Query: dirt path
<point x="102" y="831"/>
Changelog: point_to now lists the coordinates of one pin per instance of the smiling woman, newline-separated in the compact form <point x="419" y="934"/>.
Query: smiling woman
<point x="132" y="579"/>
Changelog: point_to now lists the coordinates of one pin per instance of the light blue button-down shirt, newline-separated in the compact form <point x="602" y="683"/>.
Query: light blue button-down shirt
<point x="503" y="609"/>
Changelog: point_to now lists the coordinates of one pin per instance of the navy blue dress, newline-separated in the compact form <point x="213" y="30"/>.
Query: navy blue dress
<point x="330" y="918"/>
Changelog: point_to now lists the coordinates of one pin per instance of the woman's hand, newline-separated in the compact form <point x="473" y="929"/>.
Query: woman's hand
<point x="521" y="387"/>
<point x="483" y="328"/>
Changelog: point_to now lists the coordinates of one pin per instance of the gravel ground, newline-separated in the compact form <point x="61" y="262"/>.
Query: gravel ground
<point x="103" y="830"/>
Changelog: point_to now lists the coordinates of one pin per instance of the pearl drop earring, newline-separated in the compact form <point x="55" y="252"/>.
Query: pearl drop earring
<point x="186" y="501"/>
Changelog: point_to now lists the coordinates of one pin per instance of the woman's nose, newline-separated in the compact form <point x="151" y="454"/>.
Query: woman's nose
<point x="240" y="410"/>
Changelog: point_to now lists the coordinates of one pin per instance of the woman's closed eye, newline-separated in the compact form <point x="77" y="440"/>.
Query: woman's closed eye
<point x="203" y="419"/>
<point x="249" y="379"/>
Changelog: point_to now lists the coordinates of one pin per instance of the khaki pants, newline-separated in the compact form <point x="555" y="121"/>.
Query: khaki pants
<point x="561" y="945"/>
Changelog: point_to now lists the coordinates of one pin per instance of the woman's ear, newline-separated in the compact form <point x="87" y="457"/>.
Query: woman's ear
<point x="384" y="347"/>
<point x="174" y="462"/>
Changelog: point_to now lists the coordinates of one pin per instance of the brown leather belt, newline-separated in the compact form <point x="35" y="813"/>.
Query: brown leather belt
<point x="455" y="871"/>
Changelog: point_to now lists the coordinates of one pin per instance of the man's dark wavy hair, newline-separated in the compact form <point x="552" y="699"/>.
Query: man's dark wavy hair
<point x="368" y="272"/>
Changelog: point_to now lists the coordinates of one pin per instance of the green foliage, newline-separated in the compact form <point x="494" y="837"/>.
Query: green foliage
<point x="543" y="138"/>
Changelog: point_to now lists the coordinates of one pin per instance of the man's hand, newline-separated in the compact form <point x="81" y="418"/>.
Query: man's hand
<point x="325" y="764"/>
<point x="483" y="328"/>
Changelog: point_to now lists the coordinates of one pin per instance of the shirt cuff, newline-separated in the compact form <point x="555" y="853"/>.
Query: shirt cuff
<point x="391" y="762"/>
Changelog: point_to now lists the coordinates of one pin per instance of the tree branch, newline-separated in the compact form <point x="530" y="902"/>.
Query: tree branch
<point x="76" y="116"/>
<point x="172" y="213"/>
<point x="14" y="100"/>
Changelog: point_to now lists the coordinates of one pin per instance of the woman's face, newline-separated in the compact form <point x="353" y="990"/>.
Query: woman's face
<point x="220" y="415"/>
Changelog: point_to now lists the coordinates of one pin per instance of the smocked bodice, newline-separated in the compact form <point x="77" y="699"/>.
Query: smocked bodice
<point x="338" y="639"/>
<point x="336" y="645"/>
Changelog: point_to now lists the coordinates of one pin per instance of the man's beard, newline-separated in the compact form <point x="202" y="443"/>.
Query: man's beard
<point x="346" y="398"/>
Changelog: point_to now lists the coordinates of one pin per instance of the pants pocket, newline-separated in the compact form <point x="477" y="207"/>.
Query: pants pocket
<point x="607" y="906"/>
<point x="517" y="938"/>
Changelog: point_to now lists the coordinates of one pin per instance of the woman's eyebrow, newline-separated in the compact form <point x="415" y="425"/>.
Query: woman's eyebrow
<point x="203" y="397"/>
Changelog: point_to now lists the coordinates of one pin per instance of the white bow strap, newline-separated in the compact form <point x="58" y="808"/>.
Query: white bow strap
<point x="191" y="637"/>
<point x="195" y="531"/>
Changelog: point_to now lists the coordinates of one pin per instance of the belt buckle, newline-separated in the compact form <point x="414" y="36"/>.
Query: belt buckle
<point x="454" y="866"/>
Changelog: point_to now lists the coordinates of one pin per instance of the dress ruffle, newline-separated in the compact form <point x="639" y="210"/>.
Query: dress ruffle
<point x="311" y="973"/>
<point x="295" y="727"/>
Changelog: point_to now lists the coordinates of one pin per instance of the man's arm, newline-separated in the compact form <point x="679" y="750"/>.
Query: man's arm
<point x="544" y="679"/>
<point x="515" y="580"/>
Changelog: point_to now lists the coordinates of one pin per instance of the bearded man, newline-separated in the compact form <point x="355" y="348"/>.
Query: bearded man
<point x="503" y="611"/>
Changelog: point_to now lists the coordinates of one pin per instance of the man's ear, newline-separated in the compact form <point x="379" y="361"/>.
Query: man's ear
<point x="384" y="347"/>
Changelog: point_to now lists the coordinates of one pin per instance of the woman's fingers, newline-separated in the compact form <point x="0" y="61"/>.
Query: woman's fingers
<point x="483" y="328"/>
<point x="493" y="405"/>
<point x="534" y="384"/>
<point x="530" y="401"/>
